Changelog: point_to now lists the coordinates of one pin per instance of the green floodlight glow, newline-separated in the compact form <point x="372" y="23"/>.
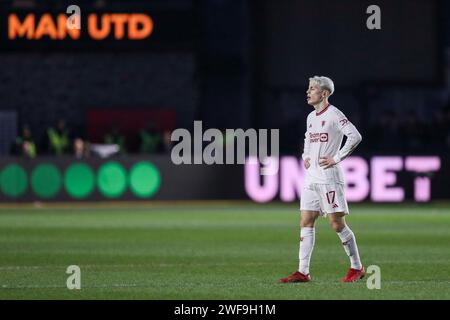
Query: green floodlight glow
<point x="13" y="180"/>
<point x="79" y="180"/>
<point x="112" y="179"/>
<point x="46" y="180"/>
<point x="145" y="179"/>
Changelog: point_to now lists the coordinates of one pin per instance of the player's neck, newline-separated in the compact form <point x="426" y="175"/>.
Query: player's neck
<point x="321" y="106"/>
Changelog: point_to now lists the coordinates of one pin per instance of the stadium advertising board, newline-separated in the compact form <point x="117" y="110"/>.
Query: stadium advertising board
<point x="373" y="179"/>
<point x="379" y="179"/>
<point x="85" y="27"/>
<point x="133" y="26"/>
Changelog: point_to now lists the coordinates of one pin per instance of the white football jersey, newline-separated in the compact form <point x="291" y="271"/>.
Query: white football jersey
<point x="324" y="133"/>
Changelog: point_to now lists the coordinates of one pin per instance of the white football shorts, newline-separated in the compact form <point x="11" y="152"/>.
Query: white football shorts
<point x="325" y="198"/>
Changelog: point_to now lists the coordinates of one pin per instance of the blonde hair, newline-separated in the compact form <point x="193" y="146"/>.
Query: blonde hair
<point x="324" y="83"/>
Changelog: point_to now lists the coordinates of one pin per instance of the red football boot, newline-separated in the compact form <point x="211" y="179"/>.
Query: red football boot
<point x="354" y="275"/>
<point x="296" y="277"/>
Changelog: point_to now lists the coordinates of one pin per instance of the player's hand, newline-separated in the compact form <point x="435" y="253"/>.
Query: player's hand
<point x="326" y="162"/>
<point x="307" y="164"/>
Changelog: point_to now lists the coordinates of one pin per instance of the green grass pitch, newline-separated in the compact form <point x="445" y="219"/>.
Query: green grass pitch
<point x="217" y="251"/>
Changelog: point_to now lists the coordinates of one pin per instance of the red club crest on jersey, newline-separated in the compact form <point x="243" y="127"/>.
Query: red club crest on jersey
<point x="323" y="123"/>
<point x="323" y="137"/>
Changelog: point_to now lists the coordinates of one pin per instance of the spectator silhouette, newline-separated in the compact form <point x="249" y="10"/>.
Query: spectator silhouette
<point x="114" y="137"/>
<point x="25" y="144"/>
<point x="58" y="138"/>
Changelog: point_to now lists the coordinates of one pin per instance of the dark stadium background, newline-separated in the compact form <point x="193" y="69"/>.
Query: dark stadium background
<point x="230" y="64"/>
<point x="86" y="176"/>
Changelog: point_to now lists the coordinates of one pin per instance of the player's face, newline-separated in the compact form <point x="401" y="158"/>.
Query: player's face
<point x="314" y="94"/>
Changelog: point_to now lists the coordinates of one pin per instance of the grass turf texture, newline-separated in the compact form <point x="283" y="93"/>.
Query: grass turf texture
<point x="217" y="251"/>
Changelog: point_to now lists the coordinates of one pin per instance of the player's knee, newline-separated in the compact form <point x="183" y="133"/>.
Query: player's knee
<point x="337" y="225"/>
<point x="307" y="223"/>
<point x="307" y="220"/>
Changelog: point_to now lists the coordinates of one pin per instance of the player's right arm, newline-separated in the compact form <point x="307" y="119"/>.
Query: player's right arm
<point x="306" y="148"/>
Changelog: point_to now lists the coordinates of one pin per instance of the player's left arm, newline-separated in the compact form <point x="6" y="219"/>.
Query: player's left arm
<point x="353" y="140"/>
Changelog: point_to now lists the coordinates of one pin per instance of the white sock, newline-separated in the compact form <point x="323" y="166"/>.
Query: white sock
<point x="349" y="242"/>
<point x="307" y="237"/>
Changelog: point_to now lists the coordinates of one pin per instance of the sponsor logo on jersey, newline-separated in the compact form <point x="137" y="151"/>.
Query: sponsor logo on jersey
<point x="323" y="137"/>
<point x="343" y="122"/>
<point x="318" y="137"/>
